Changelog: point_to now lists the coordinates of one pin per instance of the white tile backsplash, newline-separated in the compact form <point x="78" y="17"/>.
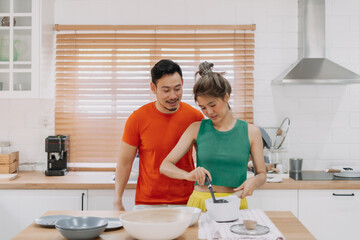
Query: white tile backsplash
<point x="315" y="134"/>
<point x="348" y="7"/>
<point x="4" y="133"/>
<point x="244" y="11"/>
<point x="315" y="105"/>
<point x="346" y="135"/>
<point x="339" y="23"/>
<point x="345" y="103"/>
<point x="354" y="151"/>
<point x="327" y="91"/>
<point x="22" y="125"/>
<point x="355" y="119"/>
<point x="345" y="39"/>
<point x="338" y="120"/>
<point x="354" y="90"/>
<point x="333" y="151"/>
<point x="354" y="23"/>
<point x="299" y="91"/>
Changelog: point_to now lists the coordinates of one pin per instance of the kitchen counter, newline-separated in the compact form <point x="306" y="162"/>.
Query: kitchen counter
<point x="103" y="180"/>
<point x="286" y="222"/>
<point x="72" y="180"/>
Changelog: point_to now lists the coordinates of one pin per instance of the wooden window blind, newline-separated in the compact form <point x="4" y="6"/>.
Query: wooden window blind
<point x="103" y="75"/>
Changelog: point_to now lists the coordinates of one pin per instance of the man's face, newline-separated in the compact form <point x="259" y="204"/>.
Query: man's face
<point x="168" y="91"/>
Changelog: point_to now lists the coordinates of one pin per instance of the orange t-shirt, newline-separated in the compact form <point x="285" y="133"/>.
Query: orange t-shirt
<point x="156" y="134"/>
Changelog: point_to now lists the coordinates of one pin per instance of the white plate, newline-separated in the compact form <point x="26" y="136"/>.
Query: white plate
<point x="49" y="221"/>
<point x="348" y="174"/>
<point x="273" y="180"/>
<point x="347" y="168"/>
<point x="113" y="223"/>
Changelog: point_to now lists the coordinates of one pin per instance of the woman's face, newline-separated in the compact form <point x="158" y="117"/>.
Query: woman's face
<point x="213" y="108"/>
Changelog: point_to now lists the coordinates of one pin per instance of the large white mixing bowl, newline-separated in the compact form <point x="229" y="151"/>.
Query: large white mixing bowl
<point x="156" y="223"/>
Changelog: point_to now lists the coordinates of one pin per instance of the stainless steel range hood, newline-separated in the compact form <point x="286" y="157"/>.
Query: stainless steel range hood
<point x="313" y="67"/>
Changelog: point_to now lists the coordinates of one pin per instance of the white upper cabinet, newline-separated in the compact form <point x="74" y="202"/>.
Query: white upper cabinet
<point x="19" y="48"/>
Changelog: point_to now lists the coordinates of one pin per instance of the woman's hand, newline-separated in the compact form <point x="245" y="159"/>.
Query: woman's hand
<point x="198" y="174"/>
<point x="246" y="189"/>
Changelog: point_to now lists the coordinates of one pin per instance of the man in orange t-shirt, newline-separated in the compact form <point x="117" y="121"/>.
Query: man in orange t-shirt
<point x="153" y="130"/>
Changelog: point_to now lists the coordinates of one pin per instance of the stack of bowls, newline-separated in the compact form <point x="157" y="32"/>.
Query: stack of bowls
<point x="77" y="228"/>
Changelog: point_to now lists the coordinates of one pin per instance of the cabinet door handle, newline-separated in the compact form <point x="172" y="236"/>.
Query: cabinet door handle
<point x="344" y="195"/>
<point x="82" y="201"/>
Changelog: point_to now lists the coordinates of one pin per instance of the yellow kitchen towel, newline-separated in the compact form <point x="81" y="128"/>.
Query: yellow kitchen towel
<point x="197" y="199"/>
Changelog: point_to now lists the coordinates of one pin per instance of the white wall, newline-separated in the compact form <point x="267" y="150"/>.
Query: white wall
<point x="325" y="120"/>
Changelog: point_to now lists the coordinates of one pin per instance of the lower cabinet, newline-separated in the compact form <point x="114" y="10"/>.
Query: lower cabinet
<point x="19" y="208"/>
<point x="274" y="200"/>
<point x="104" y="199"/>
<point x="330" y="214"/>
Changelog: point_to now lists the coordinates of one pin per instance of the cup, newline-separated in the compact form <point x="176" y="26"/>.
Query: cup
<point x="18" y="87"/>
<point x="295" y="164"/>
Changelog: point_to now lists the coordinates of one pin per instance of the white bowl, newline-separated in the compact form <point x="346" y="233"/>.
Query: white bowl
<point x="156" y="223"/>
<point x="194" y="211"/>
<point x="224" y="212"/>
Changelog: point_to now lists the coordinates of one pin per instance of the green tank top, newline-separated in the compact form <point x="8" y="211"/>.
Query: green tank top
<point x="224" y="154"/>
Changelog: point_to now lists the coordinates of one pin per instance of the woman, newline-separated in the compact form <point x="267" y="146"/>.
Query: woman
<point x="223" y="145"/>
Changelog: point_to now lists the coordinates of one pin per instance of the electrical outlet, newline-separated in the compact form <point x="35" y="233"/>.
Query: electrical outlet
<point x="44" y="121"/>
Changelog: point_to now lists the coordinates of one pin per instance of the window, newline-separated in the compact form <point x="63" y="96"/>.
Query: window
<point x="103" y="75"/>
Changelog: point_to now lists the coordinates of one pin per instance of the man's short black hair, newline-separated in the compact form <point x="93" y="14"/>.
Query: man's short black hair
<point x="164" y="67"/>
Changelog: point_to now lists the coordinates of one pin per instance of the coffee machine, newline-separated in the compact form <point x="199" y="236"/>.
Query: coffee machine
<point x="57" y="148"/>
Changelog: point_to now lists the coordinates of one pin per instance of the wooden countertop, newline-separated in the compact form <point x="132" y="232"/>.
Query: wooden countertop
<point x="72" y="180"/>
<point x="103" y="180"/>
<point x="286" y="222"/>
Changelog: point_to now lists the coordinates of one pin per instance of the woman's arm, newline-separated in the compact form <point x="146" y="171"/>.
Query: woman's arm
<point x="257" y="153"/>
<point x="186" y="141"/>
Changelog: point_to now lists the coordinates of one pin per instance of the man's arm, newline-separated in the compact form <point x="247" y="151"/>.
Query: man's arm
<point x="123" y="170"/>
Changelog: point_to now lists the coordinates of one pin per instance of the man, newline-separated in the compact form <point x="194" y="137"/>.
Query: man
<point x="153" y="130"/>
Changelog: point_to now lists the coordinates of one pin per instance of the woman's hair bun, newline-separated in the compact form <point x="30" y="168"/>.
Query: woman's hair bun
<point x="205" y="68"/>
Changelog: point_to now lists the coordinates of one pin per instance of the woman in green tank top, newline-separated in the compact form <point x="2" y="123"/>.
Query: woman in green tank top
<point x="223" y="145"/>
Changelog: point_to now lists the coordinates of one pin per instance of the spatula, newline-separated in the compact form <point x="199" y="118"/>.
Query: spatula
<point x="208" y="183"/>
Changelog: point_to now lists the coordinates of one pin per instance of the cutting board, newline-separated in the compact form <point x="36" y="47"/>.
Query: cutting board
<point x="8" y="176"/>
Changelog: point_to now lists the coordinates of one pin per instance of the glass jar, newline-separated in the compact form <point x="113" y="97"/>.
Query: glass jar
<point x="278" y="157"/>
<point x="5" y="147"/>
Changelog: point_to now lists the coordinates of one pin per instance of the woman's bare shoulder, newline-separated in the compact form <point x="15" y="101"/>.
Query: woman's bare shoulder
<point x="193" y="130"/>
<point x="253" y="130"/>
<point x="195" y="126"/>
